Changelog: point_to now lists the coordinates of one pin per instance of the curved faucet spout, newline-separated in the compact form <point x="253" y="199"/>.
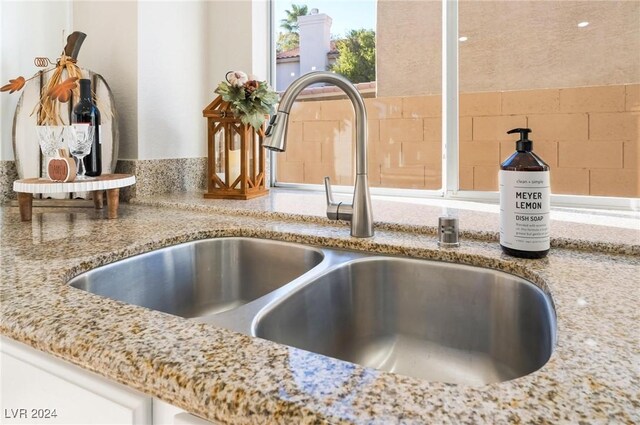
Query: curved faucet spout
<point x="362" y="217"/>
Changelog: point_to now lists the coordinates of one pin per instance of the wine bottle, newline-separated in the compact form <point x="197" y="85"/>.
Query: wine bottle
<point x="86" y="112"/>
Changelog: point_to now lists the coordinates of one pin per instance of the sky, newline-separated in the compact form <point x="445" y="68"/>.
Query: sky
<point x="346" y="14"/>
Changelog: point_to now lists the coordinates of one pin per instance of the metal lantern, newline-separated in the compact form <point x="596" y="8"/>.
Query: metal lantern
<point x="236" y="166"/>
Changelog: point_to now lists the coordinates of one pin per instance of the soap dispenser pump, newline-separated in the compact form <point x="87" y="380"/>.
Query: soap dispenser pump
<point x="524" y="201"/>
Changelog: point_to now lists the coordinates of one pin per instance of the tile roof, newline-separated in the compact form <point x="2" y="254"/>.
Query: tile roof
<point x="295" y="52"/>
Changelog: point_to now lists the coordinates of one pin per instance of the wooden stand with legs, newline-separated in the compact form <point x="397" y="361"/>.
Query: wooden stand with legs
<point x="98" y="199"/>
<point x="111" y="183"/>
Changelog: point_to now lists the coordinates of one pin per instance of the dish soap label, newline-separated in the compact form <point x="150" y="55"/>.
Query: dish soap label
<point x="524" y="210"/>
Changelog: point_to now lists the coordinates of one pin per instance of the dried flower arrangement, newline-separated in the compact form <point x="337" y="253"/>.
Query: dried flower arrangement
<point x="249" y="98"/>
<point x="56" y="91"/>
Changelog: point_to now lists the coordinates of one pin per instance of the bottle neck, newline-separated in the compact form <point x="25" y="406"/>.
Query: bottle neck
<point x="85" y="90"/>
<point x="524" y="145"/>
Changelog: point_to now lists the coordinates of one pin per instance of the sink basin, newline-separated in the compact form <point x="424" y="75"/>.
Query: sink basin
<point x="201" y="278"/>
<point x="426" y="319"/>
<point x="431" y="320"/>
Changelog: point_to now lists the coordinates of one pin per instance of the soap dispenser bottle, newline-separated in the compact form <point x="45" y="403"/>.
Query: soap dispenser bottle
<point x="524" y="201"/>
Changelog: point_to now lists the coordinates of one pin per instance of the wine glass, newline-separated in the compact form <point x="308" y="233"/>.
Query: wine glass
<point x="50" y="139"/>
<point x="79" y="138"/>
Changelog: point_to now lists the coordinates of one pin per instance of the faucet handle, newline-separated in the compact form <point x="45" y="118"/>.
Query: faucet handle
<point x="336" y="210"/>
<point x="328" y="191"/>
<point x="332" y="207"/>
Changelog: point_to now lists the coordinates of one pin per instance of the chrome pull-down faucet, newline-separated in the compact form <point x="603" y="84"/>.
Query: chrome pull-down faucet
<point x="359" y="211"/>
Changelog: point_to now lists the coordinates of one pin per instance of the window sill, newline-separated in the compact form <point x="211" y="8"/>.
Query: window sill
<point x="478" y="220"/>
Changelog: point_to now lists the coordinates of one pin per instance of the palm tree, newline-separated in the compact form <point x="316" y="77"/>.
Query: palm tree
<point x="290" y="23"/>
<point x="290" y="39"/>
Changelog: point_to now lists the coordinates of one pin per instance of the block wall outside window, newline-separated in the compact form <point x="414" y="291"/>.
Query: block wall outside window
<point x="404" y="148"/>
<point x="588" y="135"/>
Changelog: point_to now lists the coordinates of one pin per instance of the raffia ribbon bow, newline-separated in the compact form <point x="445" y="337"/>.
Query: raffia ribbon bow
<point x="56" y="91"/>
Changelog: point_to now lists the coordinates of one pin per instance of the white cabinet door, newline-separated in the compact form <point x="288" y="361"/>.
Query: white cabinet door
<point x="166" y="414"/>
<point x="37" y="388"/>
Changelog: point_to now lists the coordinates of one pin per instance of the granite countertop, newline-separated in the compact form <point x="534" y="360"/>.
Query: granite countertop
<point x="593" y="375"/>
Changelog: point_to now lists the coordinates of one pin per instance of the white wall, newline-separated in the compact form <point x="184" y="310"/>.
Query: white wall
<point x="260" y="40"/>
<point x="27" y="30"/>
<point x="172" y="79"/>
<point x="315" y="42"/>
<point x="283" y="74"/>
<point x="184" y="51"/>
<point x="238" y="38"/>
<point x="111" y="49"/>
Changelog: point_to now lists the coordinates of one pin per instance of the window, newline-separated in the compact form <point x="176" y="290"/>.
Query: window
<point x="567" y="70"/>
<point x="336" y="36"/>
<point x="520" y="64"/>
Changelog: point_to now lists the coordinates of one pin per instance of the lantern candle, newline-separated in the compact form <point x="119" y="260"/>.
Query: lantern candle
<point x="234" y="167"/>
<point x="234" y="164"/>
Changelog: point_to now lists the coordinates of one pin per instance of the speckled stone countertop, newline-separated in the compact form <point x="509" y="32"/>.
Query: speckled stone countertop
<point x="592" y="377"/>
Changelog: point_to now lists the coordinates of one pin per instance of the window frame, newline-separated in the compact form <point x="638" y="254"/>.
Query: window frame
<point x="450" y="138"/>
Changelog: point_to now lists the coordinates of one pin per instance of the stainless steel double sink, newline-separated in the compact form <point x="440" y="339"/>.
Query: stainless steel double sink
<point x="431" y="320"/>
